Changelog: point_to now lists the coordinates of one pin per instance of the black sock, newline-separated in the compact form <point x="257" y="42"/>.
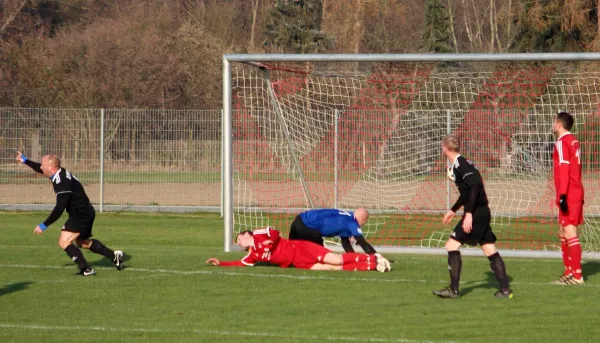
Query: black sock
<point x="455" y="265"/>
<point x="99" y="248"/>
<point x="499" y="269"/>
<point x="76" y="256"/>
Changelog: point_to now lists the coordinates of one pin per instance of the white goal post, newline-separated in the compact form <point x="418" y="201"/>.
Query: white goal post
<point x="354" y="130"/>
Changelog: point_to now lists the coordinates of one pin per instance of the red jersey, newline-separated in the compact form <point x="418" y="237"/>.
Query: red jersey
<point x="567" y="168"/>
<point x="268" y="247"/>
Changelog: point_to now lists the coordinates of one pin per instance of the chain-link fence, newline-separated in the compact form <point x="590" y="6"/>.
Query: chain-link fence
<point x="140" y="160"/>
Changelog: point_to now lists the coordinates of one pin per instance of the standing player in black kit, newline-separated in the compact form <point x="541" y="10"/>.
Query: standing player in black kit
<point x="71" y="196"/>
<point x="474" y="227"/>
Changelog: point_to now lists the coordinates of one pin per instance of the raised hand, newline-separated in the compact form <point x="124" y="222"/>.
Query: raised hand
<point x="20" y="157"/>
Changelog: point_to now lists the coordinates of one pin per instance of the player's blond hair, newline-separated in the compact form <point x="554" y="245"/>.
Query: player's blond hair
<point x="451" y="143"/>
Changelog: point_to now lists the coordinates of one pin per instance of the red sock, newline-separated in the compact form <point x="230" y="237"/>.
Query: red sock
<point x="575" y="255"/>
<point x="359" y="266"/>
<point x="352" y="257"/>
<point x="565" y="256"/>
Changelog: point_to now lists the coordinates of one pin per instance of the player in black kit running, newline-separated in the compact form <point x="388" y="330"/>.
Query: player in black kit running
<point x="71" y="196"/>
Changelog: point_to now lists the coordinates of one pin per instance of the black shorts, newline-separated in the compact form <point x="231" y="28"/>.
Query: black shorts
<point x="81" y="224"/>
<point x="301" y="232"/>
<point x="481" y="232"/>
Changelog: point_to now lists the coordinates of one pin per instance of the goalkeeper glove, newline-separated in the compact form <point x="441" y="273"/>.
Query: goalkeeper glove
<point x="564" y="208"/>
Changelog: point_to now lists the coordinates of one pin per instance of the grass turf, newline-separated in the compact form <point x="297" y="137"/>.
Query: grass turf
<point x="169" y="294"/>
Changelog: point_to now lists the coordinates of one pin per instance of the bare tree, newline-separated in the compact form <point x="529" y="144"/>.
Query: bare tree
<point x="255" y="5"/>
<point x="452" y="29"/>
<point x="12" y="14"/>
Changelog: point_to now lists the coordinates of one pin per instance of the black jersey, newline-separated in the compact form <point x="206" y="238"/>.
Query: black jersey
<point x="70" y="195"/>
<point x="469" y="184"/>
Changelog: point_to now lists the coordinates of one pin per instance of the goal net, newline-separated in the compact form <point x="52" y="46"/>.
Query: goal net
<point x="368" y="134"/>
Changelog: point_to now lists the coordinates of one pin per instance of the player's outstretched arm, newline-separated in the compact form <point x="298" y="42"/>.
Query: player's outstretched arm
<point x="366" y="247"/>
<point x="33" y="165"/>
<point x="217" y="263"/>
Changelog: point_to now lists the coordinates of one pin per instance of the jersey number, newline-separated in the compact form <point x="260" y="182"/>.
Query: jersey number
<point x="578" y="154"/>
<point x="345" y="213"/>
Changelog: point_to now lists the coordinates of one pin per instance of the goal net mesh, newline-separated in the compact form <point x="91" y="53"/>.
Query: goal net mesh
<point x="348" y="135"/>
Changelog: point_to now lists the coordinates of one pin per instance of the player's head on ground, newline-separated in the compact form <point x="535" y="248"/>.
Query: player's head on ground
<point x="245" y="239"/>
<point x="450" y="145"/>
<point x="563" y="122"/>
<point x="50" y="165"/>
<point x="361" y="215"/>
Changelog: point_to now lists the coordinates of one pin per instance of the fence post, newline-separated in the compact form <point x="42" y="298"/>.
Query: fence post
<point x="101" y="160"/>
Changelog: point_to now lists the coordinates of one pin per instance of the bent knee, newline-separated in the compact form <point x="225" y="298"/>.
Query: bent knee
<point x="63" y="244"/>
<point x="489" y="249"/>
<point x="84" y="243"/>
<point x="452" y="245"/>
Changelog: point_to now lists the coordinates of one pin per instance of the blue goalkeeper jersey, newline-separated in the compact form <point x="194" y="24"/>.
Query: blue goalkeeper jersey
<point x="332" y="222"/>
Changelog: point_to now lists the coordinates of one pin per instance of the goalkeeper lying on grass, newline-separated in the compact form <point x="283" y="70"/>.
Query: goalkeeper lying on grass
<point x="266" y="245"/>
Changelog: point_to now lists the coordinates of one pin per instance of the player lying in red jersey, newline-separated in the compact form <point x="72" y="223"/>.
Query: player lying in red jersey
<point x="266" y="245"/>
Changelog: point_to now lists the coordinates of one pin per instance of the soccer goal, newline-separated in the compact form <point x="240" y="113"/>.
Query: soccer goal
<point x="347" y="131"/>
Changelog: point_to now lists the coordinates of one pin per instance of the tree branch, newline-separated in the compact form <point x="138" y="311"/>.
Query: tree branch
<point x="11" y="17"/>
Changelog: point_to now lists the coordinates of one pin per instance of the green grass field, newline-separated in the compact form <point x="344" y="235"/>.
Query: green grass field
<point x="169" y="294"/>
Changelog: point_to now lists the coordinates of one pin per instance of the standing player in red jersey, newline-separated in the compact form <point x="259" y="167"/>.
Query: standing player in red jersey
<point x="569" y="197"/>
<point x="266" y="245"/>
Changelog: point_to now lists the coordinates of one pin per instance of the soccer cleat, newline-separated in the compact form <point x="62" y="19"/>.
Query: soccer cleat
<point x="383" y="265"/>
<point x="118" y="259"/>
<point x="561" y="280"/>
<point x="574" y="281"/>
<point x="86" y="272"/>
<point x="447" y="293"/>
<point x="501" y="294"/>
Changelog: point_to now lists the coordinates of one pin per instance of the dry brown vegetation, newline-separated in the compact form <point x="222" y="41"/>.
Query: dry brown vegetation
<point x="167" y="53"/>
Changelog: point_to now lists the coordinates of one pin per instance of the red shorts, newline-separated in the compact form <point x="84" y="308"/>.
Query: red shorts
<point x="574" y="216"/>
<point x="307" y="254"/>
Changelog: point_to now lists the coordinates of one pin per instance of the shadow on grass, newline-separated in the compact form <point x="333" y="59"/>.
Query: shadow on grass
<point x="489" y="283"/>
<point x="14" y="287"/>
<point x="590" y="268"/>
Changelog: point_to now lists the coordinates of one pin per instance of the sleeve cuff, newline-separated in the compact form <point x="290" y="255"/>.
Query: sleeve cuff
<point x="25" y="159"/>
<point x="43" y="226"/>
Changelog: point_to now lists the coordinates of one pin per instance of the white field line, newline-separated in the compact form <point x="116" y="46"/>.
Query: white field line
<point x="211" y="332"/>
<point x="154" y="276"/>
<point x="219" y="271"/>
<point x="398" y="257"/>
